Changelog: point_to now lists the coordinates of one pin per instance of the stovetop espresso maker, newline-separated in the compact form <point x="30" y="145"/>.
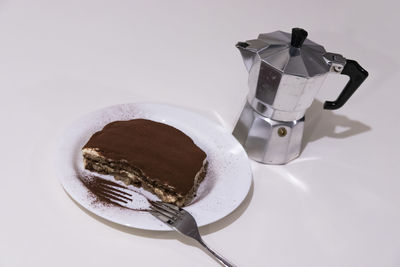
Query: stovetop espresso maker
<point x="285" y="73"/>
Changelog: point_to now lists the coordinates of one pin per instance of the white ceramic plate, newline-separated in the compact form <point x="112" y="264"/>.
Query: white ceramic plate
<point x="225" y="186"/>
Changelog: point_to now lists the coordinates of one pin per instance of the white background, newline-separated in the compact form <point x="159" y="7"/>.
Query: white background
<point x="337" y="205"/>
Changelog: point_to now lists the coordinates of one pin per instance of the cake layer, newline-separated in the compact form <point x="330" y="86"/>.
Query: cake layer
<point x="93" y="161"/>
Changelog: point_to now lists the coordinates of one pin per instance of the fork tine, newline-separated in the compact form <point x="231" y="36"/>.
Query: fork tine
<point x="160" y="216"/>
<point x="172" y="206"/>
<point x="121" y="204"/>
<point x="114" y="194"/>
<point x="163" y="212"/>
<point x="167" y="208"/>
<point x="110" y="187"/>
<point x="112" y="197"/>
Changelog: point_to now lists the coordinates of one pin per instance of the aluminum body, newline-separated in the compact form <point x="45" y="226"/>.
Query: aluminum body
<point x="283" y="81"/>
<point x="267" y="140"/>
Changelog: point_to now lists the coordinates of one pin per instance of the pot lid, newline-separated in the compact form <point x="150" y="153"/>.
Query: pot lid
<point x="292" y="54"/>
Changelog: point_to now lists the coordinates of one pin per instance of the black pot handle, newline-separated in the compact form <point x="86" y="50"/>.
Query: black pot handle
<point x="357" y="76"/>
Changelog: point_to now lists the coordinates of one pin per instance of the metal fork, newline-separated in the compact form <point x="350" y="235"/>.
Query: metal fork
<point x="183" y="222"/>
<point x="177" y="218"/>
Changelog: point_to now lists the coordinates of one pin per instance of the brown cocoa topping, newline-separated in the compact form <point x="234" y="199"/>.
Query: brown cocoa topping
<point x="162" y="153"/>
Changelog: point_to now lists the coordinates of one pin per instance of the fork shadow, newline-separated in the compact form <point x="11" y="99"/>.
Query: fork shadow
<point x="204" y="230"/>
<point x="321" y="123"/>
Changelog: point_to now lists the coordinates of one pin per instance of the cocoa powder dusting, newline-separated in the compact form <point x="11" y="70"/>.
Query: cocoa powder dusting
<point x="104" y="192"/>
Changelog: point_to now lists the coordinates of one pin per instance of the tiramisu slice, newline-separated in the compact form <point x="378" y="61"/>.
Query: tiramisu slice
<point x="148" y="154"/>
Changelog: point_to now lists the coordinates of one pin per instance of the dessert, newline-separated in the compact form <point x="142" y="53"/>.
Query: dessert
<point x="148" y="154"/>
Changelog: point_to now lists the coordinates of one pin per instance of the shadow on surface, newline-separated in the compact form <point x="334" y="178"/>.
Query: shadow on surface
<point x="321" y="123"/>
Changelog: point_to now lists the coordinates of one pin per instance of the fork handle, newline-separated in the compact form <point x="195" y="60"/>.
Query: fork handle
<point x="218" y="256"/>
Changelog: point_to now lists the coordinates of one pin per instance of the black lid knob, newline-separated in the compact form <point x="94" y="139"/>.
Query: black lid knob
<point x="298" y="37"/>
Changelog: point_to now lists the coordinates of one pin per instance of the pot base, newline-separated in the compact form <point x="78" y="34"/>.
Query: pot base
<point x="268" y="141"/>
